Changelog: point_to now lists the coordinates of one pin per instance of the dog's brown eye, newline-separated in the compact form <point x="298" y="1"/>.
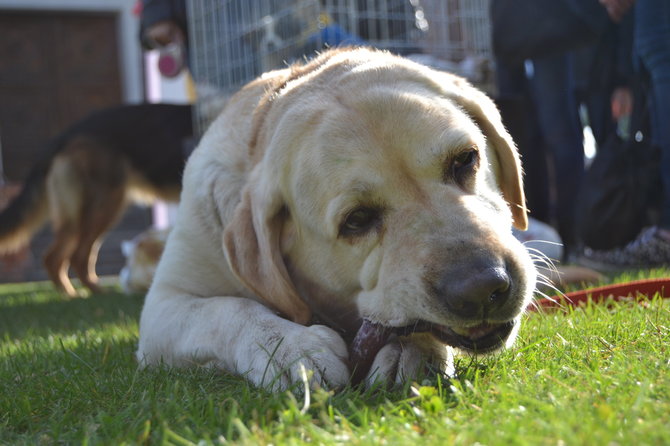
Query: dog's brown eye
<point x="360" y="220"/>
<point x="463" y="164"/>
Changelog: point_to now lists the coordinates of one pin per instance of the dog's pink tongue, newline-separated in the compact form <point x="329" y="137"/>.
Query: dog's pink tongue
<point x="369" y="339"/>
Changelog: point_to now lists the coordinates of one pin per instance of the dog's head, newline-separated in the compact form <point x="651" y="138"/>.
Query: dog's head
<point x="388" y="191"/>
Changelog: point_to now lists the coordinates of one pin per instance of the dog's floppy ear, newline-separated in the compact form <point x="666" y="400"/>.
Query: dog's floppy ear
<point x="251" y="242"/>
<point x="486" y="115"/>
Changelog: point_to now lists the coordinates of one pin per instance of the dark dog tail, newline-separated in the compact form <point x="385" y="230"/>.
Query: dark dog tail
<point x="27" y="212"/>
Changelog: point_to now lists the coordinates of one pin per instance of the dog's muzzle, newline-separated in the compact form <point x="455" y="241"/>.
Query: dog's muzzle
<point x="480" y="299"/>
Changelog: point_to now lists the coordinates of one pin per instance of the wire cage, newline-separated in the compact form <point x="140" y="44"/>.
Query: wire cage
<point x="234" y="41"/>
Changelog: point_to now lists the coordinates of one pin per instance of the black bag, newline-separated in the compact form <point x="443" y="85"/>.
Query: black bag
<point x="620" y="187"/>
<point x="526" y="29"/>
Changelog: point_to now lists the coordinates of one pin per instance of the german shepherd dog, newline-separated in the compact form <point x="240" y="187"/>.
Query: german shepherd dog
<point x="87" y="178"/>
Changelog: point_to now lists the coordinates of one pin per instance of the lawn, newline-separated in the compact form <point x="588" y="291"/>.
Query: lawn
<point x="594" y="376"/>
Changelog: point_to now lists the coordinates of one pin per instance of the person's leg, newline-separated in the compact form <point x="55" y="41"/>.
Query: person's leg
<point x="652" y="45"/>
<point x="519" y="116"/>
<point x="554" y="98"/>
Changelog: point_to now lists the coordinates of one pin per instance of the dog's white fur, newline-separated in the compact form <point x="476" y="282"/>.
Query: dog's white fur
<point x="259" y="276"/>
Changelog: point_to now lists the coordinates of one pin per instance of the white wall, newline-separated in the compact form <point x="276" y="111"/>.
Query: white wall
<point x="130" y="54"/>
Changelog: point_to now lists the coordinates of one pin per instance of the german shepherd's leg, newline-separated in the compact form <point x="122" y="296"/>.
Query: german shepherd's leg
<point x="83" y="264"/>
<point x="65" y="192"/>
<point x="101" y="214"/>
<point x="57" y="259"/>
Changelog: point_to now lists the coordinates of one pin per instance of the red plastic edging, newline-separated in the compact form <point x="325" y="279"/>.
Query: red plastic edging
<point x="618" y="292"/>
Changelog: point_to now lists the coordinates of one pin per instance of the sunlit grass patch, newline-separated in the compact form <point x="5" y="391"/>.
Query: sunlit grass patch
<point x="594" y="375"/>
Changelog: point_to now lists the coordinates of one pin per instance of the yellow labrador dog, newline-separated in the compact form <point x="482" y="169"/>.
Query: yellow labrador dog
<point x="359" y="186"/>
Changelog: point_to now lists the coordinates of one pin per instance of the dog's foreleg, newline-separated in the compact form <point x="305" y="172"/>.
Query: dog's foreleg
<point x="241" y="336"/>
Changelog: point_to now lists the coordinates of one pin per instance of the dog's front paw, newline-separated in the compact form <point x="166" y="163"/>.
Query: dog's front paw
<point x="406" y="359"/>
<point x="397" y="362"/>
<point x="317" y="353"/>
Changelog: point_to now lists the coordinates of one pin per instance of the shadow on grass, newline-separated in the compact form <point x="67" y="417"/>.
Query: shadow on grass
<point x="34" y="310"/>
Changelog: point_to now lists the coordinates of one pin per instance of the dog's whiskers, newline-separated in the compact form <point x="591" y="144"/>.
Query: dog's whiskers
<point x="546" y="296"/>
<point x="545" y="268"/>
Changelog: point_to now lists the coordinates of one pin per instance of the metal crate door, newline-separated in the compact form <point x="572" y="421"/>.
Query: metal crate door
<point x="234" y="41"/>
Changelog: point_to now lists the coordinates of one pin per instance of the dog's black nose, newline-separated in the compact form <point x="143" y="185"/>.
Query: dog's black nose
<point x="476" y="294"/>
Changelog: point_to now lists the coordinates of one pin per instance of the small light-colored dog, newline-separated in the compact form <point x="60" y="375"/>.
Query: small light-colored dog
<point x="142" y="254"/>
<point x="359" y="185"/>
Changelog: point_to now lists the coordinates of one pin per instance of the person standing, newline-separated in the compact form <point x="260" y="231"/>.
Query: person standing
<point x="651" y="42"/>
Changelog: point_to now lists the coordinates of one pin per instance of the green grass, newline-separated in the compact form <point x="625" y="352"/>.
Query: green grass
<point x="595" y="376"/>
